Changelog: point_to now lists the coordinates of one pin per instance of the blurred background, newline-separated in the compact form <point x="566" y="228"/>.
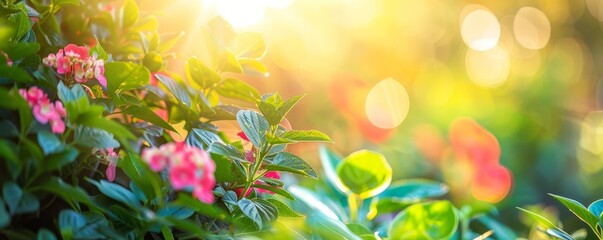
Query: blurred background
<point x="393" y="75"/>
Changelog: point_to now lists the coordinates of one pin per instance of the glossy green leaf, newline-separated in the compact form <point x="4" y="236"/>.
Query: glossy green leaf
<point x="237" y="89"/>
<point x="73" y="225"/>
<point x="200" y="73"/>
<point x="122" y="76"/>
<point x="227" y="151"/>
<point x="254" y="125"/>
<point x="403" y="193"/>
<point x="329" y="228"/>
<point x="260" y="211"/>
<point x="596" y="208"/>
<point x="275" y="190"/>
<point x="45" y="234"/>
<point x="329" y="161"/>
<point x="580" y="211"/>
<point x="61" y="159"/>
<point x="146" y="114"/>
<point x="228" y="62"/>
<point x="306" y="136"/>
<point x="49" y="142"/>
<point x="429" y="220"/>
<point x="65" y="2"/>
<point x="15" y="74"/>
<point x="359" y="229"/>
<point x="116" y="192"/>
<point x="205" y="209"/>
<point x="72" y="94"/>
<point x="312" y="201"/>
<point x="94" y="138"/>
<point x="70" y="194"/>
<point x="12" y="193"/>
<point x="288" y="162"/>
<point x="99" y="52"/>
<point x="176" y="88"/>
<point x="283" y="209"/>
<point x="175" y="211"/>
<point x="167" y="233"/>
<point x="139" y="172"/>
<point x="202" y="138"/>
<point x="129" y="13"/>
<point x="365" y="173"/>
<point x="168" y="41"/>
<point x="538" y="218"/>
<point x="254" y="67"/>
<point x="4" y="216"/>
<point x="500" y="231"/>
<point x="7" y="151"/>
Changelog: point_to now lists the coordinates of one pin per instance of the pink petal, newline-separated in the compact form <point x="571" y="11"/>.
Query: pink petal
<point x="111" y="171"/>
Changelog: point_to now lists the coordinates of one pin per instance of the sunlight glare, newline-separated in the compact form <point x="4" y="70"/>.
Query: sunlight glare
<point x="489" y="68"/>
<point x="241" y="13"/>
<point x="387" y="104"/>
<point x="532" y="28"/>
<point x="480" y="30"/>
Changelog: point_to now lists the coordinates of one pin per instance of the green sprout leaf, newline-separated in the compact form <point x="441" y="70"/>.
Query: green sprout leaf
<point x="430" y="220"/>
<point x="365" y="173"/>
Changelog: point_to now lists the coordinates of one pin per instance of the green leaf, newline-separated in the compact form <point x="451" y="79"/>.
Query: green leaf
<point x="49" y="142"/>
<point x="60" y="159"/>
<point x="205" y="209"/>
<point x="249" y="45"/>
<point x="201" y="74"/>
<point x="146" y="114"/>
<point x="168" y="41"/>
<point x="253" y="67"/>
<point x="288" y="162"/>
<point x="237" y="89"/>
<point x="312" y="201"/>
<point x="228" y="62"/>
<point x="4" y="216"/>
<point x="596" y="208"/>
<point x="72" y="195"/>
<point x="175" y="88"/>
<point x="167" y="233"/>
<point x="540" y="219"/>
<point x="401" y="194"/>
<point x="226" y="170"/>
<point x="580" y="211"/>
<point x="12" y="194"/>
<point x="500" y="231"/>
<point x="72" y="94"/>
<point x="230" y="199"/>
<point x="15" y="73"/>
<point x="108" y="125"/>
<point x="276" y="190"/>
<point x="283" y="209"/>
<point x="227" y="151"/>
<point x="123" y="76"/>
<point x="329" y="161"/>
<point x="139" y="172"/>
<point x="45" y="234"/>
<point x="260" y="211"/>
<point x="81" y="225"/>
<point x="359" y="229"/>
<point x="559" y="234"/>
<point x="21" y="50"/>
<point x="7" y="151"/>
<point x="330" y="228"/>
<point x="116" y="192"/>
<point x="365" y="173"/>
<point x="431" y="220"/>
<point x="129" y="13"/>
<point x="98" y="51"/>
<point x="274" y="109"/>
<point x="65" y="2"/>
<point x="201" y="138"/>
<point x="175" y="211"/>
<point x="254" y="126"/>
<point x="94" y="138"/>
<point x="306" y="136"/>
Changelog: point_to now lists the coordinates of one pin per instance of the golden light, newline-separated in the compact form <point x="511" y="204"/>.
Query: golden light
<point x="488" y="68"/>
<point x="288" y="51"/>
<point x="241" y="13"/>
<point x="590" y="148"/>
<point x="480" y="29"/>
<point x="531" y="28"/>
<point x="387" y="104"/>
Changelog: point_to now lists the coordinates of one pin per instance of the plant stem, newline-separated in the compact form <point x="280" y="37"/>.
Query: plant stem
<point x="354" y="203"/>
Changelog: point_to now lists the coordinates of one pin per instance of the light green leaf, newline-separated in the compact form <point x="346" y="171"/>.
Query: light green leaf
<point x="329" y="161"/>
<point x="260" y="211"/>
<point x="201" y="74"/>
<point x="93" y="137"/>
<point x="15" y="74"/>
<point x="129" y="13"/>
<point x="430" y="220"/>
<point x="49" y="142"/>
<point x="60" y="159"/>
<point x="580" y="211"/>
<point x="276" y="190"/>
<point x="306" y="136"/>
<point x="146" y="114"/>
<point x="329" y="228"/>
<point x="73" y="94"/>
<point x="249" y="45"/>
<point x="283" y="209"/>
<point x="116" y="192"/>
<point x="237" y="89"/>
<point x="365" y="173"/>
<point x="176" y="88"/>
<point x="65" y="2"/>
<point x="288" y="162"/>
<point x="168" y="41"/>
<point x="254" y="126"/>
<point x="122" y="76"/>
<point x="45" y="234"/>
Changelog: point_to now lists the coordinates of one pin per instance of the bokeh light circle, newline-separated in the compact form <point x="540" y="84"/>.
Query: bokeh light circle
<point x="241" y="13"/>
<point x="488" y="68"/>
<point x="387" y="104"/>
<point x="480" y="29"/>
<point x="531" y="28"/>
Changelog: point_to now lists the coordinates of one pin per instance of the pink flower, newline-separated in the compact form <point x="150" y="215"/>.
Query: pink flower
<point x="188" y="167"/>
<point x="63" y="63"/>
<point x="44" y="112"/>
<point x="271" y="174"/>
<point x="155" y="158"/>
<point x="79" y="73"/>
<point x="33" y="96"/>
<point x="9" y="62"/>
<point x="73" y="50"/>
<point x="57" y="125"/>
<point x="50" y="61"/>
<point x="243" y="136"/>
<point x="99" y="72"/>
<point x="111" y="156"/>
<point x="182" y="176"/>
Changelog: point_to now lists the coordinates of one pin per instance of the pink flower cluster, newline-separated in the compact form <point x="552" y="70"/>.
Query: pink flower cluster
<point x="45" y="111"/>
<point x="75" y="61"/>
<point x="188" y="167"/>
